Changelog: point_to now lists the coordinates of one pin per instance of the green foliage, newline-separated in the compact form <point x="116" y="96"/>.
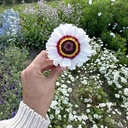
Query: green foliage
<point x="12" y="63"/>
<point x="114" y="41"/>
<point x="102" y="17"/>
<point x="32" y="32"/>
<point x="39" y="22"/>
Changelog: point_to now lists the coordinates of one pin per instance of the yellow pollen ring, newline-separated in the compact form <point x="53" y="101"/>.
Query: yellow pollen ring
<point x="68" y="55"/>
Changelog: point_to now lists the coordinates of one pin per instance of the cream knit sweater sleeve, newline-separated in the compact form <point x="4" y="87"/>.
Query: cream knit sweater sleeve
<point x="26" y="118"/>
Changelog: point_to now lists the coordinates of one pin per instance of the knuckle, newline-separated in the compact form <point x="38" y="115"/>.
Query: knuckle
<point x="26" y="72"/>
<point x="43" y="52"/>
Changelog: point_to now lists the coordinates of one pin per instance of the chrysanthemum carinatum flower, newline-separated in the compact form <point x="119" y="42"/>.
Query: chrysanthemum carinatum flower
<point x="68" y="46"/>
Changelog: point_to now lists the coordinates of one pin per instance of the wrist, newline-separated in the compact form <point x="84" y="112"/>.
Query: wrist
<point x="37" y="105"/>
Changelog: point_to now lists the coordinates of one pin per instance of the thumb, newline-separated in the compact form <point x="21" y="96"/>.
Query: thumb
<point x="55" y="72"/>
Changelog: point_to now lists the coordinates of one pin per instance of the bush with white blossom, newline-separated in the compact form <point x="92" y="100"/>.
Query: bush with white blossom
<point x="93" y="96"/>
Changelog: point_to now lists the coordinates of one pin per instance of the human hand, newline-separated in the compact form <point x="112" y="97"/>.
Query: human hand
<point x="38" y="90"/>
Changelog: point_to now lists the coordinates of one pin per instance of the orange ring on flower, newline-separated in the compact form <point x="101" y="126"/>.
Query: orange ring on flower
<point x="68" y="47"/>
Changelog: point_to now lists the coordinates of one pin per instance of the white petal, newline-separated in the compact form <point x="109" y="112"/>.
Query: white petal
<point x="57" y="33"/>
<point x="61" y="29"/>
<point x="57" y="61"/>
<point x="73" y="65"/>
<point x="53" y="56"/>
<point x="69" y="27"/>
<point x="77" y="61"/>
<point x="53" y="40"/>
<point x="87" y="51"/>
<point x="84" y="39"/>
<point x="66" y="62"/>
<point x="85" y="46"/>
<point x="80" y="64"/>
<point x="80" y="33"/>
<point x="74" y="31"/>
<point x="50" y="47"/>
<point x="80" y="58"/>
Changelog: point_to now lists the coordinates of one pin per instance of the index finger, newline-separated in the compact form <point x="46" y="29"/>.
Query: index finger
<point x="40" y="58"/>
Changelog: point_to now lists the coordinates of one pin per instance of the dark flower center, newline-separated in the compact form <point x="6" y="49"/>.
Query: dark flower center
<point x="68" y="47"/>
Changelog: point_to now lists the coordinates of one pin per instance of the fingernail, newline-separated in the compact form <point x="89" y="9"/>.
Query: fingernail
<point x="63" y="68"/>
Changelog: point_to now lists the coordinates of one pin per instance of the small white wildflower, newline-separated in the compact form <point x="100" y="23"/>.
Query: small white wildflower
<point x="127" y="117"/>
<point x="57" y="83"/>
<point x="94" y="126"/>
<point x="79" y="118"/>
<point x="101" y="126"/>
<point x="51" y="116"/>
<point x="115" y="59"/>
<point x="69" y="89"/>
<point x="120" y="124"/>
<point x="64" y="86"/>
<point x="113" y="112"/>
<point x="76" y="106"/>
<point x="57" y="111"/>
<point x="109" y="24"/>
<point x="95" y="116"/>
<point x="123" y="80"/>
<point x="112" y="34"/>
<point x="112" y="0"/>
<point x="88" y="105"/>
<point x="109" y="82"/>
<point x="126" y="91"/>
<point x="59" y="117"/>
<point x="53" y="104"/>
<point x="109" y="104"/>
<point x="74" y="112"/>
<point x="117" y="95"/>
<point x="84" y="82"/>
<point x="80" y="126"/>
<point x="69" y="5"/>
<point x="102" y="69"/>
<point x="84" y="117"/>
<point x="69" y="82"/>
<point x="72" y="78"/>
<point x="83" y="122"/>
<point x="118" y="111"/>
<point x="69" y="126"/>
<point x="118" y="85"/>
<point x="102" y="105"/>
<point x="99" y="14"/>
<point x="88" y="110"/>
<point x="90" y="2"/>
<point x="87" y="100"/>
<point x="71" y="117"/>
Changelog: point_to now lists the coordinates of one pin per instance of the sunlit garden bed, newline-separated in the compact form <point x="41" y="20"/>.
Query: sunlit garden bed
<point x="92" y="96"/>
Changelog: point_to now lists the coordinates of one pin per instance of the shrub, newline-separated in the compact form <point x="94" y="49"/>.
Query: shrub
<point x="39" y="22"/>
<point x="12" y="62"/>
<point x="92" y="96"/>
<point x="99" y="18"/>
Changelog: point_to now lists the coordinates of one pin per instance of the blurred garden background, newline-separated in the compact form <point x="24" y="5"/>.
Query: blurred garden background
<point x="92" y="96"/>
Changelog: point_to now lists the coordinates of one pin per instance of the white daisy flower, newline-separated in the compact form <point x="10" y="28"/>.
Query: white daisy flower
<point x="68" y="46"/>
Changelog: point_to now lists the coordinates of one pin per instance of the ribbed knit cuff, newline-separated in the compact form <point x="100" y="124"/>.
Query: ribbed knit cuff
<point x="26" y="118"/>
